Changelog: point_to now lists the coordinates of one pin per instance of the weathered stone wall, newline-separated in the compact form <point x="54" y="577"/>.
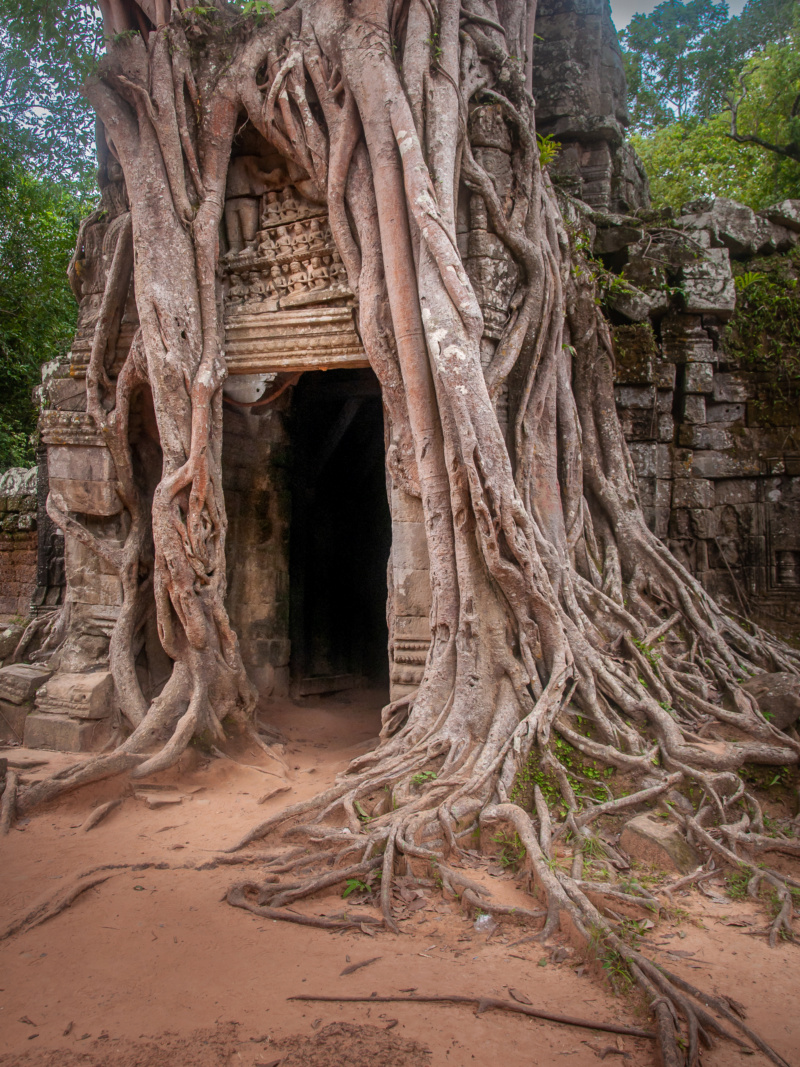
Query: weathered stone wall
<point x="18" y="541"/>
<point x="717" y="456"/>
<point x="255" y="479"/>
<point x="581" y="101"/>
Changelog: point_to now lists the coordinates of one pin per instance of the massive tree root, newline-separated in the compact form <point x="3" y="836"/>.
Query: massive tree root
<point x="557" y="616"/>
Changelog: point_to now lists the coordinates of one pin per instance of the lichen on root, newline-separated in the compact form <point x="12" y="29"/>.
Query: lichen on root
<point x="551" y="597"/>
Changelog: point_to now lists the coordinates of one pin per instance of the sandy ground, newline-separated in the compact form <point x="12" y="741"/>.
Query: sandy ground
<point x="152" y="967"/>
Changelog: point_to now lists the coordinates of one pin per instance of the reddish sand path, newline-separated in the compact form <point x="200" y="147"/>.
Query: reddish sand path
<point x="151" y="968"/>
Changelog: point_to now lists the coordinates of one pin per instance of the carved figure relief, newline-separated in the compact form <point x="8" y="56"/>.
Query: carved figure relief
<point x="97" y="240"/>
<point x="281" y="251"/>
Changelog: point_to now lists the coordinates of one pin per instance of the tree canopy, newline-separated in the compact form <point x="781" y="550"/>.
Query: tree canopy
<point x="39" y="218"/>
<point x="46" y="179"/>
<point x="688" y="66"/>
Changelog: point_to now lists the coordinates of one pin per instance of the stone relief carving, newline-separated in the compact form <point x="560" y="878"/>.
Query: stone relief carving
<point x="281" y="250"/>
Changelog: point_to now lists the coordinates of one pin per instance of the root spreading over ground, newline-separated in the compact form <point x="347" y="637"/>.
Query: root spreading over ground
<point x="558" y="618"/>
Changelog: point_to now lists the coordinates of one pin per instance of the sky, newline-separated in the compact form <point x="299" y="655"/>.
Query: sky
<point x="622" y="10"/>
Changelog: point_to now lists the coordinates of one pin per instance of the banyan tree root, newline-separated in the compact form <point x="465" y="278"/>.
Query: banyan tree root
<point x="484" y="1004"/>
<point x="99" y="813"/>
<point x="8" y="802"/>
<point x="54" y="905"/>
<point x="557" y="617"/>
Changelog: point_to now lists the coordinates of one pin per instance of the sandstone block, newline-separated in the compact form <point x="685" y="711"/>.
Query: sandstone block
<point x="698" y="377"/>
<point x="631" y="303"/>
<point x="645" y="459"/>
<point x="64" y="734"/>
<point x="9" y="639"/>
<point x="664" y="375"/>
<point x="659" y="843"/>
<point x="735" y="491"/>
<point x="725" y="412"/>
<point x="666" y="428"/>
<point x="692" y="493"/>
<point x="694" y="409"/>
<point x="409" y="546"/>
<point x="786" y="213"/>
<point x="777" y="696"/>
<point x="713" y="464"/>
<point x="20" y="681"/>
<point x="12" y="721"/>
<point x="732" y="387"/>
<point x="633" y="396"/>
<point x="85" y="478"/>
<point x="615" y="232"/>
<point x="716" y="437"/>
<point x="84" y="696"/>
<point x="708" y="284"/>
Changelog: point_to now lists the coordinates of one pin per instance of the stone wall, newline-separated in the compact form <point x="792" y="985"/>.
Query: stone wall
<point x="255" y="479"/>
<point x="18" y="541"/>
<point x="581" y="101"/>
<point x="717" y="457"/>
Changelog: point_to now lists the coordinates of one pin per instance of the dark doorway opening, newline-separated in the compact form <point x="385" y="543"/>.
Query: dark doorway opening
<point x="340" y="534"/>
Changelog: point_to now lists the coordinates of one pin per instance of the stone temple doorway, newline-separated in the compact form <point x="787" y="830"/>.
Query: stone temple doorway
<point x="340" y="534"/>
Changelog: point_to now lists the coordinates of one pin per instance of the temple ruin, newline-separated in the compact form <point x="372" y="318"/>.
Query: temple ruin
<point x="320" y="537"/>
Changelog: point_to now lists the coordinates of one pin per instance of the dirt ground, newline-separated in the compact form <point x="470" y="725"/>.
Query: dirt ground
<point x="152" y="967"/>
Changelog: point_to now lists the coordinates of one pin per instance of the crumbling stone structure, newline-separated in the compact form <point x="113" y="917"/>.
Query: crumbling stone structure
<point x="18" y="541"/>
<point x="717" y="458"/>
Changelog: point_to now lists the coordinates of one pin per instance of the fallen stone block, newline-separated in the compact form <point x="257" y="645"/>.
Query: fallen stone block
<point x="20" y="681"/>
<point x="63" y="734"/>
<point x="83" y="696"/>
<point x="12" y="721"/>
<point x="787" y="214"/>
<point x="659" y="843"/>
<point x="9" y="639"/>
<point x="777" y="696"/>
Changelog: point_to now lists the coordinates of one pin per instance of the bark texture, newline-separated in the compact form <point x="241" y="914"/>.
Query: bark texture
<point x="550" y="594"/>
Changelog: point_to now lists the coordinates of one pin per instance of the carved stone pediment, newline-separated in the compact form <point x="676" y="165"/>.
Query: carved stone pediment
<point x="291" y="260"/>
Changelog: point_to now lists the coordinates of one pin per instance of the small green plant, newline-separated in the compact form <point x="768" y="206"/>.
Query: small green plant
<point x="548" y="148"/>
<point x="259" y="8"/>
<point x="649" y="653"/>
<point x="512" y="851"/>
<point x="750" y="277"/>
<point x="736" y="884"/>
<point x="354" y="885"/>
<point x="125" y="35"/>
<point x="423" y="776"/>
<point x="617" y="971"/>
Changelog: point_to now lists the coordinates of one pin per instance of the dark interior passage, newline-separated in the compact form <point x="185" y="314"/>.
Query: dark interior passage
<point x="340" y="532"/>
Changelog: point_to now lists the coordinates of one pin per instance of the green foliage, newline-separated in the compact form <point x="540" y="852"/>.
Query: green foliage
<point x="548" y="148"/>
<point x="47" y="50"/>
<point x="423" y="776"/>
<point x="736" y="884"/>
<point x="649" y="653"/>
<point x="578" y="768"/>
<point x="38" y="225"/>
<point x="260" y="9"/>
<point x="686" y="161"/>
<point x="665" y="53"/>
<point x="354" y="885"/>
<point x="681" y="59"/>
<point x="686" y="63"/>
<point x="764" y="333"/>
<point x="512" y="852"/>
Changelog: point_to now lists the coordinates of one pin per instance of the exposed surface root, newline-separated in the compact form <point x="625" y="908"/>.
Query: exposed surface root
<point x="486" y="1004"/>
<point x="8" y="804"/>
<point x="54" y="905"/>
